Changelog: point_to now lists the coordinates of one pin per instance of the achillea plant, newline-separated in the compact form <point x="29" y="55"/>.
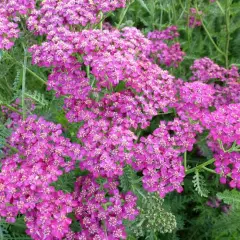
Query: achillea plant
<point x="121" y="113"/>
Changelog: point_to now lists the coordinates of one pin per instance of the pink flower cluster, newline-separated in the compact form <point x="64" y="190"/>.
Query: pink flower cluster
<point x="55" y="14"/>
<point x="195" y="100"/>
<point x="108" y="148"/>
<point x="228" y="166"/>
<point x="205" y="70"/>
<point x="112" y="115"/>
<point x="14" y="7"/>
<point x="222" y="121"/>
<point x="109" y="118"/>
<point x="170" y="55"/>
<point x="111" y="85"/>
<point x="197" y="93"/>
<point x="26" y="177"/>
<point x="225" y="81"/>
<point x="9" y="17"/>
<point x="224" y="125"/>
<point x="112" y="57"/>
<point x="25" y="187"/>
<point x="46" y="215"/>
<point x="101" y="209"/>
<point x="158" y="156"/>
<point x="51" y="16"/>
<point x="8" y="30"/>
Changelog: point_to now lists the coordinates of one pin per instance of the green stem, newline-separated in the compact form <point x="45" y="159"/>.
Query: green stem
<point x="10" y="107"/>
<point x="209" y="170"/>
<point x="211" y="39"/>
<point x="188" y="21"/>
<point x="161" y="17"/>
<point x="185" y="161"/>
<point x="183" y="10"/>
<point x="208" y="34"/>
<point x="30" y="96"/>
<point x="139" y="192"/>
<point x="30" y="71"/>
<point x="88" y="72"/>
<point x="138" y="136"/>
<point x="220" y="6"/>
<point x="200" y="166"/>
<point x="12" y="148"/>
<point x="24" y="83"/>
<point x="101" y="21"/>
<point x="36" y="76"/>
<point x="227" y="18"/>
<point x="123" y="14"/>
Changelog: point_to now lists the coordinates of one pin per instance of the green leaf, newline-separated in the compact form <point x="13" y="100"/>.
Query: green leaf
<point x="4" y="134"/>
<point x="199" y="184"/>
<point x="205" y="150"/>
<point x="230" y="197"/>
<point x="143" y="4"/>
<point x="130" y="181"/>
<point x="7" y="231"/>
<point x="1" y="54"/>
<point x="38" y="98"/>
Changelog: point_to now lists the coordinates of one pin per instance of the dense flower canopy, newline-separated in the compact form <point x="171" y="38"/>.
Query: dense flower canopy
<point x="113" y="84"/>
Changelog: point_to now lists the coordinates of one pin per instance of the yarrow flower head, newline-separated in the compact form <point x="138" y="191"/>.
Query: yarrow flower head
<point x="228" y="167"/>
<point x="108" y="148"/>
<point x="101" y="210"/>
<point x="8" y="30"/>
<point x="15" y="7"/>
<point x="9" y="18"/>
<point x="225" y="81"/>
<point x="196" y="98"/>
<point x="170" y="55"/>
<point x="224" y="124"/>
<point x="224" y="133"/>
<point x="205" y="70"/>
<point x="158" y="156"/>
<point x="26" y="177"/>
<point x="54" y="14"/>
<point x="197" y="93"/>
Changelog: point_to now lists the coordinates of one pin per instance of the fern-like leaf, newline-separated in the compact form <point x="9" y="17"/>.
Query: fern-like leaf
<point x="38" y="98"/>
<point x="143" y="4"/>
<point x="6" y="232"/>
<point x="130" y="181"/>
<point x="199" y="184"/>
<point x="230" y="197"/>
<point x="227" y="226"/>
<point x="4" y="134"/>
<point x="203" y="147"/>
